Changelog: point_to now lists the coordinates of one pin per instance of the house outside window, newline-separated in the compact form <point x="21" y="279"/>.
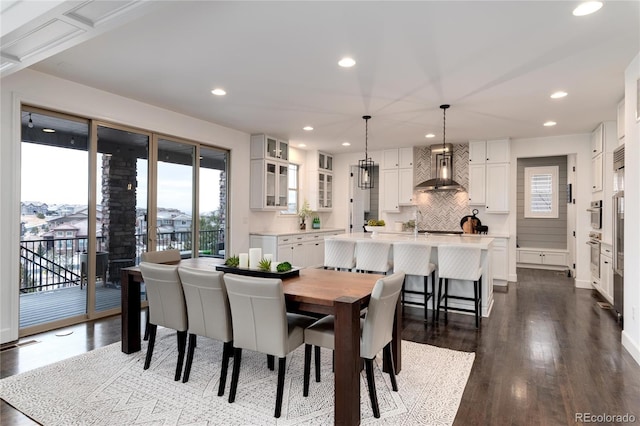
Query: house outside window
<point x="541" y="192"/>
<point x="292" y="191"/>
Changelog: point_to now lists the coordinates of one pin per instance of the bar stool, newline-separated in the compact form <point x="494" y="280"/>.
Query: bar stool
<point x="339" y="254"/>
<point x="415" y="259"/>
<point x="460" y="263"/>
<point x="373" y="256"/>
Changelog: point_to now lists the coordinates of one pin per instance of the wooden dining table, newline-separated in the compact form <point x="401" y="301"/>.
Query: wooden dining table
<point x="317" y="291"/>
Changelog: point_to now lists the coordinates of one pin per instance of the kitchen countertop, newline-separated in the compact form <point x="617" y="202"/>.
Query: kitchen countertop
<point x="299" y="232"/>
<point x="480" y="241"/>
<point x="489" y="235"/>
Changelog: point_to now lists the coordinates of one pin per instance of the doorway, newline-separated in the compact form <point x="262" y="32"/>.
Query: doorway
<point x="364" y="203"/>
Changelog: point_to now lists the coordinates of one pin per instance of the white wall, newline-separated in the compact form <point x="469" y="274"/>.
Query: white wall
<point x="42" y="90"/>
<point x="580" y="145"/>
<point x="631" y="332"/>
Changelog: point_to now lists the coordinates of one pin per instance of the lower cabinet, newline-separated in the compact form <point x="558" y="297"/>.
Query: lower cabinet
<point x="304" y="249"/>
<point x="500" y="261"/>
<point x="548" y="257"/>
<point x="605" y="284"/>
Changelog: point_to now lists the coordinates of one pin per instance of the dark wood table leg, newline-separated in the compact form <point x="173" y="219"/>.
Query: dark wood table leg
<point x="130" y="305"/>
<point x="347" y="361"/>
<point x="396" y="341"/>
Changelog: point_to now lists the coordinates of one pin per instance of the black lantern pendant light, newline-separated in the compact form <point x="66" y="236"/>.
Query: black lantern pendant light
<point x="365" y="167"/>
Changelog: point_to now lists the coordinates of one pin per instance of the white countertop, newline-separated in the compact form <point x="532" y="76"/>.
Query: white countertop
<point x="306" y="231"/>
<point x="480" y="241"/>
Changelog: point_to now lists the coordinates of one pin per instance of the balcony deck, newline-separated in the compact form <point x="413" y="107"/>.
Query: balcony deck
<point x="46" y="306"/>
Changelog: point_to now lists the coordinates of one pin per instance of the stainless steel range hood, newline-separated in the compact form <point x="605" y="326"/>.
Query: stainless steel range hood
<point x="441" y="171"/>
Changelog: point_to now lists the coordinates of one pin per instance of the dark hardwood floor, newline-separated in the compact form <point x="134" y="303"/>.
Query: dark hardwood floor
<point x="547" y="352"/>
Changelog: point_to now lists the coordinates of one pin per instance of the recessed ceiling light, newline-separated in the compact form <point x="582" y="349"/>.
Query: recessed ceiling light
<point x="301" y="145"/>
<point x="219" y="92"/>
<point x="550" y="123"/>
<point x="346" y="144"/>
<point x="558" y="95"/>
<point x="587" y="8"/>
<point x="307" y="128"/>
<point x="48" y="130"/>
<point x="346" y="62"/>
<point x="429" y="135"/>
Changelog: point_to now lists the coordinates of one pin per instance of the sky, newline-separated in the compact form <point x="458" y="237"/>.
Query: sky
<point x="60" y="176"/>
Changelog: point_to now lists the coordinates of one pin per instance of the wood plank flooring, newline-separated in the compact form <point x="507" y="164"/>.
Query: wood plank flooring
<point x="547" y="352"/>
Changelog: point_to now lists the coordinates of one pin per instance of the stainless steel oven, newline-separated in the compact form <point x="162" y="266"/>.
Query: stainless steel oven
<point x="596" y="214"/>
<point x="594" y="257"/>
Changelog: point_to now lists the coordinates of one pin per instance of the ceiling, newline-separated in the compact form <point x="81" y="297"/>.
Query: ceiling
<point x="496" y="63"/>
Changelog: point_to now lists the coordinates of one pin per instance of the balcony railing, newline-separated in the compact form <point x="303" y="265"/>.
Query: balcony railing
<point x="47" y="264"/>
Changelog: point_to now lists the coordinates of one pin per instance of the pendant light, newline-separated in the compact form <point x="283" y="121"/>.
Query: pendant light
<point x="365" y="167"/>
<point x="445" y="158"/>
<point x="30" y="124"/>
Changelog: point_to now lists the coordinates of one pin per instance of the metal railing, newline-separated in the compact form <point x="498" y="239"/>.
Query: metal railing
<point x="49" y="264"/>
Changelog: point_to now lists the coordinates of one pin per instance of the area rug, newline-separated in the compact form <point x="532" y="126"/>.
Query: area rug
<point x="108" y="387"/>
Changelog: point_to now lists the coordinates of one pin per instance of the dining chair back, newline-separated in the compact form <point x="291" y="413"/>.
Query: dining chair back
<point x="262" y="324"/>
<point x="339" y="254"/>
<point x="167" y="307"/>
<point x="208" y="315"/>
<point x="373" y="256"/>
<point x="170" y="256"/>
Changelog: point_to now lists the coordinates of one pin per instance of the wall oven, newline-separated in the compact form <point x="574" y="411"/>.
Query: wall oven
<point x="596" y="214"/>
<point x="594" y="257"/>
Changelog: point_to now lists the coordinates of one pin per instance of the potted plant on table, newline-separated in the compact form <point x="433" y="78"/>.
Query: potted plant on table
<point x="303" y="212"/>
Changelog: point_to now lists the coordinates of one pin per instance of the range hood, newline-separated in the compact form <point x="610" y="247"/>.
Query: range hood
<point x="441" y="170"/>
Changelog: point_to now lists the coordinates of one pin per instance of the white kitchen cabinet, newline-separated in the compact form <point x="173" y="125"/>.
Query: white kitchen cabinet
<point x="476" y="186"/>
<point x="304" y="249"/>
<point x="597" y="138"/>
<point x="489" y="171"/>
<point x="389" y="194"/>
<point x="500" y="261"/>
<point x="268" y="147"/>
<point x="390" y="159"/>
<point x="477" y="152"/>
<point x="596" y="173"/>
<point x="320" y="181"/>
<point x="606" y="273"/>
<point x="497" y="188"/>
<point x="620" y="130"/>
<point x="405" y="158"/>
<point x="542" y="257"/>
<point x="397" y="178"/>
<point x="269" y="185"/>
<point x="498" y="151"/>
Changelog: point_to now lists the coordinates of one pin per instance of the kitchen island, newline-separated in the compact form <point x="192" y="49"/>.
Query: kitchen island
<point x="456" y="287"/>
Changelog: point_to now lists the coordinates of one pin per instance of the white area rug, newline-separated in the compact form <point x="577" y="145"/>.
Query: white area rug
<point x="108" y="387"/>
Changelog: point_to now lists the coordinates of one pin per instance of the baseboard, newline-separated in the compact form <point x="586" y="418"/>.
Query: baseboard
<point x="583" y="284"/>
<point x="631" y="346"/>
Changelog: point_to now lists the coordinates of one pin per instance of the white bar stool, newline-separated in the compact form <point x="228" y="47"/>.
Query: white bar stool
<point x="415" y="259"/>
<point x="460" y="263"/>
<point x="339" y="254"/>
<point x="373" y="256"/>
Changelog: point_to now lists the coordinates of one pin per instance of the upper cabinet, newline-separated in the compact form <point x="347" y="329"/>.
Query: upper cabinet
<point x="397" y="178"/>
<point x="320" y="180"/>
<point x="489" y="169"/>
<point x="268" y="147"/>
<point x="597" y="137"/>
<point x="269" y="173"/>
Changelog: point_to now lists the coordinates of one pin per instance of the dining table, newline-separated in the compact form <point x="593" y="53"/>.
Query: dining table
<point x="316" y="291"/>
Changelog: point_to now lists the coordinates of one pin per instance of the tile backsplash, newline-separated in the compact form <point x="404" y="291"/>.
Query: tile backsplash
<point x="442" y="210"/>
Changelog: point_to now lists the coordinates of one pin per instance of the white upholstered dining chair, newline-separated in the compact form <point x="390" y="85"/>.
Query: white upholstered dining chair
<point x="377" y="333"/>
<point x="209" y="315"/>
<point x="167" y="307"/>
<point x="262" y="324"/>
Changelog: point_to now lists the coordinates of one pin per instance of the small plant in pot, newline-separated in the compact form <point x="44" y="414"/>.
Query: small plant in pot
<point x="303" y="212"/>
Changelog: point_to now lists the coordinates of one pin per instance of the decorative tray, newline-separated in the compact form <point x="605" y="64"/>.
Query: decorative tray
<point x="294" y="272"/>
